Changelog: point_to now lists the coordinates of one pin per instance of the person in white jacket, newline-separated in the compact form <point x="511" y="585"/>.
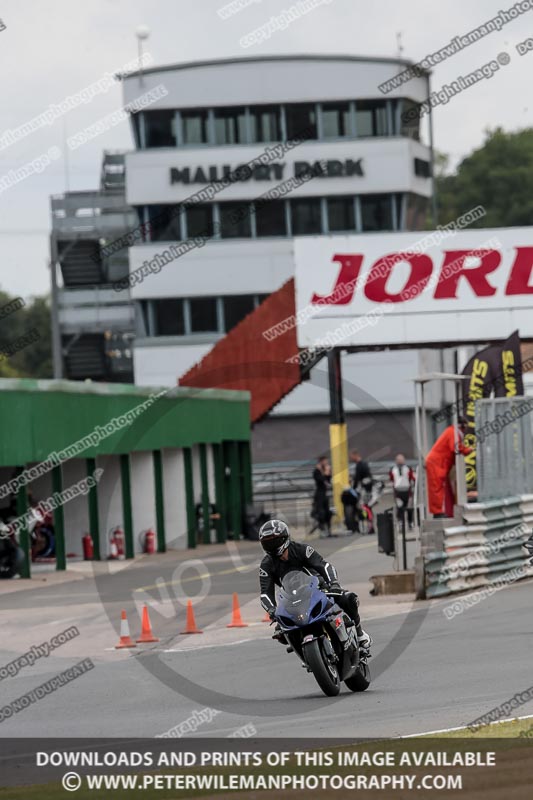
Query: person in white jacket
<point x="403" y="480"/>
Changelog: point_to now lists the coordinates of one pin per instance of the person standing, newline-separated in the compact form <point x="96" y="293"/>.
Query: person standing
<point x="439" y="462"/>
<point x="321" y="507"/>
<point x="403" y="479"/>
<point x="362" y="476"/>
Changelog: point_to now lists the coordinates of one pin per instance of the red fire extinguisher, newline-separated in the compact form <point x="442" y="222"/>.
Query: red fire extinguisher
<point x="88" y="547"/>
<point x="148" y="541"/>
<point x="116" y="544"/>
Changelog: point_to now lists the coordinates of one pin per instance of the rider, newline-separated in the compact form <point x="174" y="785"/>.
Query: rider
<point x="283" y="556"/>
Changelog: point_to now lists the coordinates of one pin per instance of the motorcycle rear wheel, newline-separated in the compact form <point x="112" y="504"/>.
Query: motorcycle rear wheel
<point x="361" y="680"/>
<point x="326" y="674"/>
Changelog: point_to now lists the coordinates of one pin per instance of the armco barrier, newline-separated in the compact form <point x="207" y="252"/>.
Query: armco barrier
<point x="480" y="551"/>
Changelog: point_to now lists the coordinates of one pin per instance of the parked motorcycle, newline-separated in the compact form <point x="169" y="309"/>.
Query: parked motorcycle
<point x="321" y="634"/>
<point x="11" y="555"/>
<point x="358" y="507"/>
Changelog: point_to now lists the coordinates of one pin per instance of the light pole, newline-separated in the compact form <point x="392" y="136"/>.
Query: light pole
<point x="142" y="32"/>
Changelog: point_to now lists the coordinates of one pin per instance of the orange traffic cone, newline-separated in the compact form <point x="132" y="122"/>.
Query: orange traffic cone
<point x="191" y="622"/>
<point x="236" y="619"/>
<point x="266" y="618"/>
<point x="125" y="638"/>
<point x="146" y="629"/>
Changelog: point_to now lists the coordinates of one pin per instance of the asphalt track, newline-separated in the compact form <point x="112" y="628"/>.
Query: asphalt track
<point x="428" y="672"/>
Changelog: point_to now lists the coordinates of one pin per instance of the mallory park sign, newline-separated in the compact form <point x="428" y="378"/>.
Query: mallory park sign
<point x="267" y="172"/>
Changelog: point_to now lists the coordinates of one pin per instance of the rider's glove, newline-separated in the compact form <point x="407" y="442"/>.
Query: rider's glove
<point x="335" y="587"/>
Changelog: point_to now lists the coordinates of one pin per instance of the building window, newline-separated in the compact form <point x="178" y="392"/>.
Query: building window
<point x="194" y="126"/>
<point x="236" y="307"/>
<point x="341" y="215"/>
<point x="160" y="128"/>
<point x="301" y="121"/>
<point x="235" y="220"/>
<point x="422" y="168"/>
<point x="164" y="223"/>
<point x="203" y="314"/>
<point x="199" y="220"/>
<point x="335" y="120"/>
<point x="306" y="216"/>
<point x="270" y="218"/>
<point x="265" y="124"/>
<point x="230" y="125"/>
<point x="168" y="317"/>
<point x="410" y="119"/>
<point x="371" y="118"/>
<point x="376" y="212"/>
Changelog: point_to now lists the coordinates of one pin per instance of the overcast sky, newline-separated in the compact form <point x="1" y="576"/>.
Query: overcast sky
<point x="53" y="48"/>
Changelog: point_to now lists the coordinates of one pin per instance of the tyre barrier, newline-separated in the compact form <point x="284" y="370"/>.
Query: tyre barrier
<point x="488" y="548"/>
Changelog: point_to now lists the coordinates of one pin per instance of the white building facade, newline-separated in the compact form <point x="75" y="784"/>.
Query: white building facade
<point x="367" y="171"/>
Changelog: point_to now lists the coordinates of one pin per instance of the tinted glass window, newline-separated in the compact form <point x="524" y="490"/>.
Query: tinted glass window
<point x="306" y="216"/>
<point x="270" y="218"/>
<point x="371" y="118"/>
<point x="168" y="317"/>
<point x="164" y="223"/>
<point x="199" y="221"/>
<point x="230" y="126"/>
<point x="203" y="312"/>
<point x="410" y="119"/>
<point x="335" y="119"/>
<point x="301" y="121"/>
<point x="194" y="126"/>
<point x="236" y="308"/>
<point x="235" y="220"/>
<point x="265" y="124"/>
<point x="376" y="212"/>
<point x="341" y="215"/>
<point x="159" y="128"/>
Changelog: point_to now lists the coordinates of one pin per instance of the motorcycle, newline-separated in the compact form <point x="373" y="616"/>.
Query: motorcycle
<point x="358" y="507"/>
<point x="321" y="634"/>
<point x="11" y="555"/>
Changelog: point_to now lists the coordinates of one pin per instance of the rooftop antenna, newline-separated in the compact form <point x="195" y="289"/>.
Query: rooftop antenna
<point x="399" y="44"/>
<point x="142" y="32"/>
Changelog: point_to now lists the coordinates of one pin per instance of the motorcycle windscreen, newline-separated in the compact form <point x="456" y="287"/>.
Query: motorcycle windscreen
<point x="297" y="596"/>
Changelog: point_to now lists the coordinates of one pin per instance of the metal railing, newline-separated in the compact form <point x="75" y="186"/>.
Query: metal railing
<point x="287" y="489"/>
<point x="504" y="447"/>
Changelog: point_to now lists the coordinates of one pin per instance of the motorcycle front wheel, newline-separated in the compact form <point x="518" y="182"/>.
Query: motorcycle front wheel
<point x="326" y="674"/>
<point x="361" y="680"/>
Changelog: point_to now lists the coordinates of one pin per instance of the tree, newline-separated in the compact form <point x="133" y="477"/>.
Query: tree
<point x="33" y="360"/>
<point x="497" y="176"/>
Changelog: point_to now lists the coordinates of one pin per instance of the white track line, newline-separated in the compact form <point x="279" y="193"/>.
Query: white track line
<point x="463" y="727"/>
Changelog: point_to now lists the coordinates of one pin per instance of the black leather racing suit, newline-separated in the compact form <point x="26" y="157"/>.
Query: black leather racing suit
<point x="306" y="559"/>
